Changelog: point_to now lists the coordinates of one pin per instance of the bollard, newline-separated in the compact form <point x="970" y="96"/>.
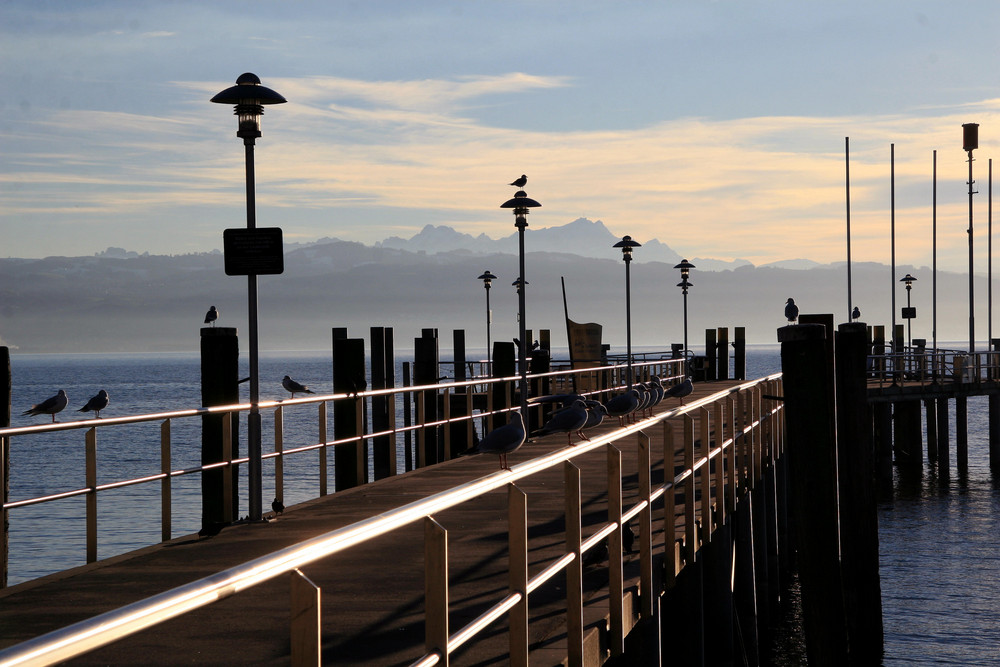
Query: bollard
<point x="458" y="433"/>
<point x="5" y="403"/>
<point x="740" y="353"/>
<point x="722" y="354"/>
<point x="812" y="455"/>
<point x="710" y="366"/>
<point x="383" y="451"/>
<point x="425" y="372"/>
<point x="858" y="499"/>
<point x="220" y="355"/>
<point x="350" y="462"/>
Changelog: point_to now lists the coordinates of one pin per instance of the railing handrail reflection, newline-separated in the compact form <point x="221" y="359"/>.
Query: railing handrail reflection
<point x="87" y="635"/>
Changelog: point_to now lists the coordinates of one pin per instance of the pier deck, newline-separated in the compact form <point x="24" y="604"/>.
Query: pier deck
<point x="372" y="594"/>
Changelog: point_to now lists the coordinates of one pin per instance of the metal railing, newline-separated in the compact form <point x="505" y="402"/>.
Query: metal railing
<point x="726" y="442"/>
<point x="423" y="430"/>
<point x="918" y="366"/>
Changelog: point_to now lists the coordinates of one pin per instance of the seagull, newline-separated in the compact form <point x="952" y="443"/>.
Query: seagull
<point x="211" y="315"/>
<point x="791" y="311"/>
<point x="679" y="390"/>
<point x="567" y="420"/>
<point x="520" y="182"/>
<point x="50" y="406"/>
<point x="595" y="413"/>
<point x="856" y="314"/>
<point x="294" y="387"/>
<point x="504" y="439"/>
<point x="96" y="403"/>
<point x="277" y="506"/>
<point x="622" y="405"/>
<point x="655" y="387"/>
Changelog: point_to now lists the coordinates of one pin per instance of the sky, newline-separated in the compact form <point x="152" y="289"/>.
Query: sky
<point x="718" y="128"/>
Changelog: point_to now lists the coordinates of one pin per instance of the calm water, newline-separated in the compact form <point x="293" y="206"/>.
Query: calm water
<point x="940" y="563"/>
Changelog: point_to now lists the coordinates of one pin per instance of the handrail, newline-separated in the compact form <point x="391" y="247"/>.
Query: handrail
<point x="84" y="636"/>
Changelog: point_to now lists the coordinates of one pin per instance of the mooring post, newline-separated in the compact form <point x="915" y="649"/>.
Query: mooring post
<point x="858" y="497"/>
<point x="962" y="434"/>
<point x="710" y="367"/>
<point x="383" y="451"/>
<point x="930" y="414"/>
<point x="220" y="356"/>
<point x="504" y="365"/>
<point x="943" y="436"/>
<point x="5" y="403"/>
<point x="426" y="364"/>
<point x="722" y="354"/>
<point x="812" y="454"/>
<point x="908" y="438"/>
<point x="882" y="430"/>
<point x="350" y="459"/>
<point x="458" y="441"/>
<point x="740" y="353"/>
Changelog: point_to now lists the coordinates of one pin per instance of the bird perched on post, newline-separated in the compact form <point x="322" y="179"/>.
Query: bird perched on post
<point x="50" y="406"/>
<point x="791" y="311"/>
<point x="504" y="439"/>
<point x="212" y="315"/>
<point x="856" y="314"/>
<point x="520" y="182"/>
<point x="294" y="387"/>
<point x="96" y="403"/>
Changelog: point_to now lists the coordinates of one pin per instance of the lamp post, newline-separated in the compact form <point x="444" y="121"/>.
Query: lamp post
<point x="970" y="142"/>
<point x="248" y="97"/>
<point x="626" y="244"/>
<point x="521" y="203"/>
<point x="685" y="268"/>
<point x="909" y="313"/>
<point x="488" y="279"/>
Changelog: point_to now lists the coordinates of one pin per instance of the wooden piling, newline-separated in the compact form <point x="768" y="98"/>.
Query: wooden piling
<point x="812" y="454"/>
<point x="961" y="434"/>
<point x="858" y="498"/>
<point x="722" y="354"/>
<point x="426" y="365"/>
<point x="745" y="577"/>
<point x="882" y="433"/>
<point x="943" y="436"/>
<point x="504" y="365"/>
<point x="740" y="353"/>
<point x="383" y="449"/>
<point x="5" y="403"/>
<point x="907" y="436"/>
<point x="710" y="366"/>
<point x="458" y="441"/>
<point x="930" y="415"/>
<point x="350" y="459"/>
<point x="220" y="356"/>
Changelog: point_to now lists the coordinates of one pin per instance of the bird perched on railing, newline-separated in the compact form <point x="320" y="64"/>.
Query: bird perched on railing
<point x="277" y="506"/>
<point x="623" y="405"/>
<point x="50" y="406"/>
<point x="679" y="390"/>
<point x="212" y="315"/>
<point x="520" y="182"/>
<point x="96" y="403"/>
<point x="504" y="439"/>
<point x="655" y="387"/>
<point x="294" y="387"/>
<point x="567" y="420"/>
<point x="595" y="414"/>
<point x="791" y="311"/>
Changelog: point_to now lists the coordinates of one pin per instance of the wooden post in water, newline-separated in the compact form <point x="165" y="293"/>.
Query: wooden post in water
<point x="740" y="353"/>
<point x="858" y="499"/>
<point x="350" y="463"/>
<point x="504" y="365"/>
<point x="220" y="356"/>
<point x="722" y="354"/>
<point x="994" y="410"/>
<point x="812" y="454"/>
<point x="426" y="364"/>
<point x="458" y="440"/>
<point x="961" y="434"/>
<point x="944" y="455"/>
<point x="908" y="440"/>
<point x="930" y="414"/>
<point x="383" y="450"/>
<point x="5" y="403"/>
<point x="882" y="431"/>
<point x="710" y="367"/>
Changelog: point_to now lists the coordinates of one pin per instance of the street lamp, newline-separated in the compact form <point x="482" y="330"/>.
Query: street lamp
<point x="521" y="203"/>
<point x="487" y="279"/>
<point x="910" y="312"/>
<point x="626" y="244"/>
<point x="248" y="97"/>
<point x="685" y="268"/>
<point x="970" y="142"/>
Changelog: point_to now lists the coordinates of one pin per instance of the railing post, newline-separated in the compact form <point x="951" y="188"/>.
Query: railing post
<point x="91" y="478"/>
<point x="165" y="497"/>
<point x="230" y="503"/>
<point x="306" y="615"/>
<point x="279" y="460"/>
<point x="436" y="589"/>
<point x="574" y="570"/>
<point x="616" y="579"/>
<point x="718" y="420"/>
<point x="321" y="418"/>
<point x="670" y="548"/>
<point x="517" y="527"/>
<point x="5" y="402"/>
<point x="645" y="521"/>
<point x="690" y="504"/>
<point x="705" y="477"/>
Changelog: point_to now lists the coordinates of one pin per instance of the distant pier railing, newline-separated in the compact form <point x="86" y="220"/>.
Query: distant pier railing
<point x="740" y="436"/>
<point x="921" y="366"/>
<point x="426" y="430"/>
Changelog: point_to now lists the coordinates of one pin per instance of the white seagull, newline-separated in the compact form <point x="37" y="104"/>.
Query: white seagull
<point x="294" y="387"/>
<point x="96" y="403"/>
<point x="50" y="406"/>
<point x="504" y="439"/>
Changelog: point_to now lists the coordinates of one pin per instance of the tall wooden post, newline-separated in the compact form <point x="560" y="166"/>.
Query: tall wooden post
<point x="350" y="459"/>
<point x="961" y="434"/>
<point x="994" y="409"/>
<point x="812" y="454"/>
<point x="882" y="430"/>
<point x="710" y="366"/>
<point x="740" y="353"/>
<point x="722" y="354"/>
<point x="458" y="433"/>
<point x="930" y="415"/>
<point x="944" y="453"/>
<point x="5" y="403"/>
<point x="383" y="451"/>
<point x="504" y="365"/>
<point x="425" y="372"/>
<point x="220" y="356"/>
<point x="908" y="440"/>
<point x="858" y="498"/>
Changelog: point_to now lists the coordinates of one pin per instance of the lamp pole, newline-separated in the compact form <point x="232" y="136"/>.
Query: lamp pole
<point x="249" y="96"/>
<point x="970" y="142"/>
<point x="685" y="269"/>
<point x="909" y="280"/>
<point x="626" y="244"/>
<point x="488" y="279"/>
<point x="521" y="203"/>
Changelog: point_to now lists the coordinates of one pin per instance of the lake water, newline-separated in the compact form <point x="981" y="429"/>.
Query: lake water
<point x="940" y="565"/>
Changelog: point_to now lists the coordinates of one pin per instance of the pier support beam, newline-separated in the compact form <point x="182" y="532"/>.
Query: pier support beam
<point x="907" y="440"/>
<point x="812" y="453"/>
<point x="5" y="403"/>
<point x="220" y="356"/>
<point x="943" y="436"/>
<point x="962" y="434"/>
<point x="930" y="414"/>
<point x="882" y="431"/>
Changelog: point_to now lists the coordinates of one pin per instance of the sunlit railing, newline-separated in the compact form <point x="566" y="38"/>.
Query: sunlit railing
<point x="727" y="441"/>
<point x="423" y="431"/>
<point x="918" y="366"/>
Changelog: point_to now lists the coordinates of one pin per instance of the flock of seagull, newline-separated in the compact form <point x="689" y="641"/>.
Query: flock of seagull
<point x="578" y="413"/>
